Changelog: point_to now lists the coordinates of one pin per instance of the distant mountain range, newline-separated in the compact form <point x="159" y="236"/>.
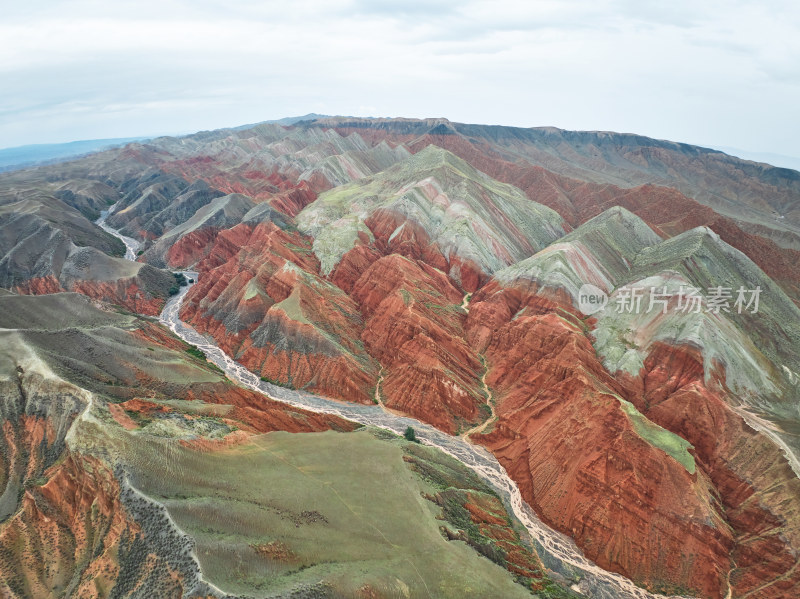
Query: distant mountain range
<point x="22" y="156"/>
<point x="29" y="155"/>
<point x="781" y="160"/>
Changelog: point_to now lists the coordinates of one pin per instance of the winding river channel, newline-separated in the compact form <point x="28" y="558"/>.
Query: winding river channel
<point x="131" y="245"/>
<point x="558" y="552"/>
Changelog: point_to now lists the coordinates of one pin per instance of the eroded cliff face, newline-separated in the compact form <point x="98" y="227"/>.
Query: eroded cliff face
<point x="138" y="287"/>
<point x="37" y="413"/>
<point x="757" y="488"/>
<point x="563" y="432"/>
<point x="260" y="298"/>
<point x="262" y="301"/>
<point x="61" y="521"/>
<point x="619" y="461"/>
<point x="131" y="294"/>
<point x="414" y="328"/>
<point x="68" y="535"/>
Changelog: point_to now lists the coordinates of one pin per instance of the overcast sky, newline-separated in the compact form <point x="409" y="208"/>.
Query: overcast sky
<point x="710" y="72"/>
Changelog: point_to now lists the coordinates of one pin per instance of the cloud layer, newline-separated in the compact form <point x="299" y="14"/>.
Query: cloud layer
<point x="718" y="73"/>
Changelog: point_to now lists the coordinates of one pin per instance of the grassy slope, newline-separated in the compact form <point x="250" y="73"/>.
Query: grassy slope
<point x="343" y="508"/>
<point x="668" y="442"/>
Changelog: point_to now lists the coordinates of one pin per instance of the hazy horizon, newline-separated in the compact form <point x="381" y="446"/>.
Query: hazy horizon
<point x="717" y="74"/>
<point x="779" y="160"/>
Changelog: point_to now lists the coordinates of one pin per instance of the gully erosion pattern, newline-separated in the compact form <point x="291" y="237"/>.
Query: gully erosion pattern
<point x="557" y="551"/>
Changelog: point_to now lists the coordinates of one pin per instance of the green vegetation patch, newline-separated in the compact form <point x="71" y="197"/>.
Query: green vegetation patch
<point x="453" y="503"/>
<point x="196" y="352"/>
<point x="442" y="471"/>
<point x="668" y="442"/>
<point x="410" y="435"/>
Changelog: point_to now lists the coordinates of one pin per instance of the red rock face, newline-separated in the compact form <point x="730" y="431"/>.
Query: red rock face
<point x="414" y="328"/>
<point x="282" y="190"/>
<point x="219" y="175"/>
<point x="758" y="490"/>
<point x="123" y="292"/>
<point x="256" y="413"/>
<point x="40" y="286"/>
<point x="291" y="327"/>
<point x="73" y="523"/>
<point x="353" y="264"/>
<point x="563" y="438"/>
<point x="252" y="413"/>
<point x="67" y="518"/>
<point x="192" y="248"/>
<point x="292" y="201"/>
<point x="413" y="242"/>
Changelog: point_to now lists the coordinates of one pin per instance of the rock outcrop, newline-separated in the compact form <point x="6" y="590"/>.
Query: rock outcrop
<point x="432" y="206"/>
<point x="260" y="299"/>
